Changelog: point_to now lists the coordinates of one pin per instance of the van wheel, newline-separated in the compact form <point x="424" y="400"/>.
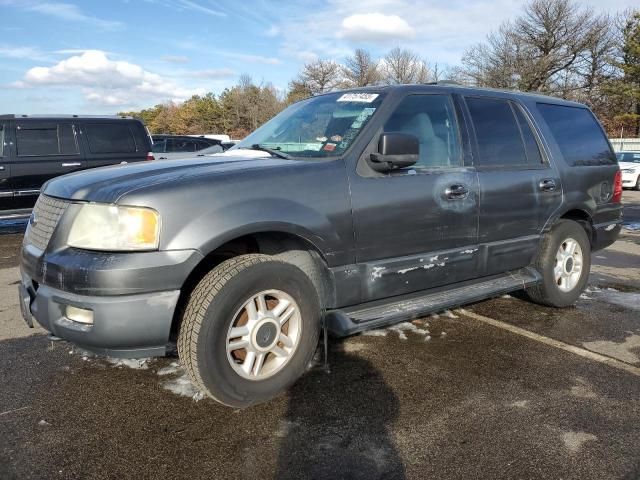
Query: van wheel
<point x="637" y="187"/>
<point x="249" y="329"/>
<point x="564" y="261"/>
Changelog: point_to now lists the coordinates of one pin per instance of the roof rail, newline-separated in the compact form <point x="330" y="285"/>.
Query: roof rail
<point x="7" y="116"/>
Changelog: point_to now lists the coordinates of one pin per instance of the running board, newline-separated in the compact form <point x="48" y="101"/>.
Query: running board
<point x="382" y="313"/>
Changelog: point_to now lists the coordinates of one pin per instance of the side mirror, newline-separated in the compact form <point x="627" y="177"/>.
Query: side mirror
<point x="395" y="150"/>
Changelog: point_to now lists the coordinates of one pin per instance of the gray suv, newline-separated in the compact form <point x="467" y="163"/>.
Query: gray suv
<point x="353" y="210"/>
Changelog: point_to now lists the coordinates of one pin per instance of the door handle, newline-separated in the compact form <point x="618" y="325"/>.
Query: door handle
<point x="547" y="185"/>
<point x="162" y="158"/>
<point x="1" y="168"/>
<point x="72" y="164"/>
<point x="456" y="192"/>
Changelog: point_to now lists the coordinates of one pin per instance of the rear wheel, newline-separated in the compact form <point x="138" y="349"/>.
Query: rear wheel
<point x="564" y="261"/>
<point x="638" y="183"/>
<point x="249" y="329"/>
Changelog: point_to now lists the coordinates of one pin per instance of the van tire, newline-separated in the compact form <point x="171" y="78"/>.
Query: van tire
<point x="548" y="292"/>
<point x="213" y="307"/>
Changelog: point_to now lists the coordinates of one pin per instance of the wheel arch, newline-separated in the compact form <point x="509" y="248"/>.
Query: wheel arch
<point x="278" y="243"/>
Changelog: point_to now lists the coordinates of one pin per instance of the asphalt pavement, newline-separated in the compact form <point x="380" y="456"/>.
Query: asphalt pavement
<point x="500" y="389"/>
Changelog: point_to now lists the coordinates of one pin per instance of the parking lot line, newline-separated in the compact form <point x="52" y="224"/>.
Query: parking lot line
<point x="582" y="352"/>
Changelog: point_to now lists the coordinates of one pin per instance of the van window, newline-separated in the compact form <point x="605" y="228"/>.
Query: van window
<point x="431" y="119"/>
<point x="110" y="138"/>
<point x="41" y="139"/>
<point x="497" y="132"/>
<point x="578" y="135"/>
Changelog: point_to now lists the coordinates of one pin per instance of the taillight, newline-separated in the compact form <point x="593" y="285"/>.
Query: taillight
<point x="151" y="157"/>
<point x="617" y="188"/>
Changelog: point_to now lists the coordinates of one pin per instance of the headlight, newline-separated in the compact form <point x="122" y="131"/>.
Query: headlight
<point x="111" y="228"/>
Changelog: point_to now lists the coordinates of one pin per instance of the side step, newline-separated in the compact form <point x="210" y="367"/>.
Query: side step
<point x="381" y="313"/>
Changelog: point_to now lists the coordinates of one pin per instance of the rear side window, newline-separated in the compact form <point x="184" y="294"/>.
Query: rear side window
<point x="41" y="139"/>
<point x="110" y="138"/>
<point x="497" y="132"/>
<point x="529" y="139"/>
<point x="577" y="134"/>
<point x="180" y="145"/>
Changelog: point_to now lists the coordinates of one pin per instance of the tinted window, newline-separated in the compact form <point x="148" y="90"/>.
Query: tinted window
<point x="577" y="134"/>
<point x="530" y="143"/>
<point x="110" y="138"/>
<point x="497" y="132"/>
<point x="46" y="139"/>
<point x="158" y="146"/>
<point x="180" y="145"/>
<point x="432" y="120"/>
<point x="629" y="157"/>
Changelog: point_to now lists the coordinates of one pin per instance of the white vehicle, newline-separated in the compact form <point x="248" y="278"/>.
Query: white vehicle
<point x="630" y="168"/>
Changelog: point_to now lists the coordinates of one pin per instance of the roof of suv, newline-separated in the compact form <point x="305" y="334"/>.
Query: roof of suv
<point x="12" y="116"/>
<point x="464" y="89"/>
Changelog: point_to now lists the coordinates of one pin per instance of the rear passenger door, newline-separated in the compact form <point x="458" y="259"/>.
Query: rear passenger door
<point x="519" y="190"/>
<point x="115" y="142"/>
<point x="43" y="150"/>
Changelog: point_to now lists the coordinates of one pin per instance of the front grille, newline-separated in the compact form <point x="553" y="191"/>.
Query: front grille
<point x="44" y="219"/>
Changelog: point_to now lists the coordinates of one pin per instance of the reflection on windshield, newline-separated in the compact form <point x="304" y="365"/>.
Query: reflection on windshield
<point x="323" y="126"/>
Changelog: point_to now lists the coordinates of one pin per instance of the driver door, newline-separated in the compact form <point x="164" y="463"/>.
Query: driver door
<point x="416" y="228"/>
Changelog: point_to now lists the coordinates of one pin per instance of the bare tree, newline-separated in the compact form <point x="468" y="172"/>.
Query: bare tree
<point x="550" y="48"/>
<point x="403" y="66"/>
<point x="320" y="76"/>
<point x="361" y="70"/>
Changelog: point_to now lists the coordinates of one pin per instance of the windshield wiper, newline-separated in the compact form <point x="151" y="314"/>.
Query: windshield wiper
<point x="273" y="151"/>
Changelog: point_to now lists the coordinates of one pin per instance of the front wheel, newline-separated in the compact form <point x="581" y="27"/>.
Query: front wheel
<point x="564" y="260"/>
<point x="249" y="329"/>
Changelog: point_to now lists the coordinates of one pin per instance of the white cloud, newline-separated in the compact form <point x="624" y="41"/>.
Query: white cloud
<point x="175" y="59"/>
<point x="107" y="82"/>
<point x="212" y="73"/>
<point x="66" y="11"/>
<point x="375" y="27"/>
<point x="22" y="52"/>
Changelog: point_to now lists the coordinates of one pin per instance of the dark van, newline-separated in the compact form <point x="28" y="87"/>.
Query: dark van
<point x="34" y="149"/>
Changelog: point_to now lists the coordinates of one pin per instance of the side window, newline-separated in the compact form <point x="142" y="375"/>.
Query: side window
<point x="2" y="140"/>
<point x="41" y="139"/>
<point x="159" y="146"/>
<point x="530" y="143"/>
<point x="577" y="134"/>
<point x="497" y="132"/>
<point x="180" y="145"/>
<point x="110" y="138"/>
<point x="432" y="120"/>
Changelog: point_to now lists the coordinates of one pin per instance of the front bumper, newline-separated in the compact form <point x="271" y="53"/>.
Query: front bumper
<point x="132" y="296"/>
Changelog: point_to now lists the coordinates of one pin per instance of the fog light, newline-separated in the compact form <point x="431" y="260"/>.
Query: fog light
<point x="80" y="315"/>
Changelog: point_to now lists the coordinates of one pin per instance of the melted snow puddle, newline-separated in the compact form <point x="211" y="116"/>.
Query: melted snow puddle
<point x="629" y="300"/>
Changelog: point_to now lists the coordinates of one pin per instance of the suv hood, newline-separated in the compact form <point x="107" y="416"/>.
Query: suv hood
<point x="108" y="184"/>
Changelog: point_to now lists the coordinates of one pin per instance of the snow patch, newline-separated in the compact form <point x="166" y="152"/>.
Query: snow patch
<point x="519" y="404"/>
<point x="449" y="314"/>
<point x="633" y="226"/>
<point x="134" y="363"/>
<point x="471" y="250"/>
<point x="574" y="441"/>
<point x="624" y="299"/>
<point x="405" y="270"/>
<point x="184" y="387"/>
<point x="375" y="333"/>
<point x="173" y="367"/>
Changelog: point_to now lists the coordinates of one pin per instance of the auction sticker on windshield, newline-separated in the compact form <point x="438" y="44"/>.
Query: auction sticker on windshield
<point x="358" y="97"/>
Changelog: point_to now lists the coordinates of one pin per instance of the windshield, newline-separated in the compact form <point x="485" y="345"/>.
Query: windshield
<point x="631" y="157"/>
<point x="323" y="126"/>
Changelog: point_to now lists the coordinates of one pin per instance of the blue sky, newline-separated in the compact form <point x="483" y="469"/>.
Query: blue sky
<point x="104" y="56"/>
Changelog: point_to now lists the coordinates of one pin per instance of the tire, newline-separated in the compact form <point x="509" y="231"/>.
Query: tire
<point x="550" y="291"/>
<point x="637" y="187"/>
<point x="216" y="308"/>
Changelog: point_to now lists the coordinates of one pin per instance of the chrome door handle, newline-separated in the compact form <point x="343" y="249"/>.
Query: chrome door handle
<point x="456" y="192"/>
<point x="547" y="185"/>
<point x="72" y="164"/>
<point x="1" y="168"/>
